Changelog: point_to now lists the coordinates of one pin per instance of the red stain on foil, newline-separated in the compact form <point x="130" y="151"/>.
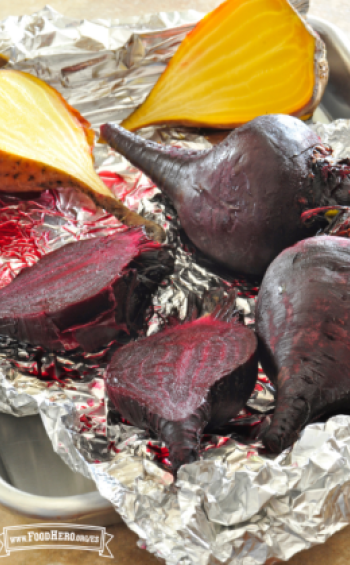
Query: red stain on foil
<point x="222" y="441"/>
<point x="86" y="422"/>
<point x="160" y="454"/>
<point x="129" y="193"/>
<point x="115" y="182"/>
<point x="20" y="245"/>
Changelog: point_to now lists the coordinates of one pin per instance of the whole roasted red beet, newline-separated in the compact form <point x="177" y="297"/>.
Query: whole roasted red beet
<point x="240" y="202"/>
<point x="303" y="325"/>
<point x="184" y="380"/>
<point x="86" y="293"/>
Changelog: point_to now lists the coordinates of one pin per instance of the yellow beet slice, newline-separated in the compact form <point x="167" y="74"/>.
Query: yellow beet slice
<point x="45" y="143"/>
<point x="246" y="58"/>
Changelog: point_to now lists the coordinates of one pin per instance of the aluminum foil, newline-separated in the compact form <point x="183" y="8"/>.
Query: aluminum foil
<point x="235" y="505"/>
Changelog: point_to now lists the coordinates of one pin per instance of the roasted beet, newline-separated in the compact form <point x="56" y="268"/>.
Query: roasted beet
<point x="241" y="201"/>
<point x="86" y="293"/>
<point x="187" y="379"/>
<point x="303" y="324"/>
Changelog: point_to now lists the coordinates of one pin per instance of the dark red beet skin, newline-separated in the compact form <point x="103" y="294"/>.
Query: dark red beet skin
<point x="85" y="293"/>
<point x="303" y="325"/>
<point x="241" y="201"/>
<point x="187" y="379"/>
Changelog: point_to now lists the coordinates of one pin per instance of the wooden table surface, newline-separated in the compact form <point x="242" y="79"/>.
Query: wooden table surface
<point x="336" y="551"/>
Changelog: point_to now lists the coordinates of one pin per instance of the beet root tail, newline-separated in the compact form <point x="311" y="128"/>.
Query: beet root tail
<point x="129" y="217"/>
<point x="182" y="437"/>
<point x="291" y="415"/>
<point x="166" y="166"/>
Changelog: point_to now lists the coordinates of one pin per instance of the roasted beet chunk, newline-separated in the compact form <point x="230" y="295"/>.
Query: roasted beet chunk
<point x="86" y="293"/>
<point x="303" y="324"/>
<point x="184" y="380"/>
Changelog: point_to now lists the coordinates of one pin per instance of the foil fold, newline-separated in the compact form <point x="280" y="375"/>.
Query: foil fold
<point x="236" y="504"/>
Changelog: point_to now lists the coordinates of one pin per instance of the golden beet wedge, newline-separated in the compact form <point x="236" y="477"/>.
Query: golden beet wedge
<point x="45" y="143"/>
<point x="246" y="58"/>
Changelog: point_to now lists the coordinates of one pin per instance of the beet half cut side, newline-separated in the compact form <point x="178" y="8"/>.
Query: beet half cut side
<point x="188" y="379"/>
<point x="241" y="201"/>
<point x="86" y="293"/>
<point x="303" y="325"/>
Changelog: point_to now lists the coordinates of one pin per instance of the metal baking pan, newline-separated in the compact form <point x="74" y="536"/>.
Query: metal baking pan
<point x="45" y="488"/>
<point x="336" y="100"/>
<point x="36" y="482"/>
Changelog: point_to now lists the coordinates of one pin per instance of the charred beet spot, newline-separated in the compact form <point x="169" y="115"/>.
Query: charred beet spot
<point x="241" y="201"/>
<point x="187" y="379"/>
<point x="303" y="325"/>
<point x="86" y="293"/>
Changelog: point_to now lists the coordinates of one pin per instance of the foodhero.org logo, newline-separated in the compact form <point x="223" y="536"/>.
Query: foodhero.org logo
<point x="60" y="536"/>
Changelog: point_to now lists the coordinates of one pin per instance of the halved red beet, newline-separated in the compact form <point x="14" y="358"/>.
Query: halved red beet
<point x="303" y="325"/>
<point x="186" y="379"/>
<point x="86" y="293"/>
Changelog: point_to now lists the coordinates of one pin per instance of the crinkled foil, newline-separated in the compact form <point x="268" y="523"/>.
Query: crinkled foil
<point x="235" y="505"/>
